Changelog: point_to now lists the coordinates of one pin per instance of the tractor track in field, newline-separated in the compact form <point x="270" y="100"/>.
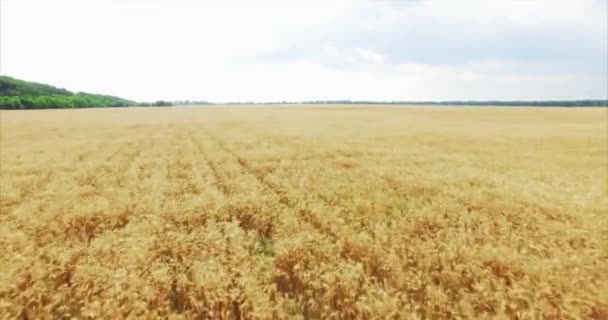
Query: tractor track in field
<point x="333" y="202"/>
<point x="39" y="185"/>
<point x="219" y="181"/>
<point x="88" y="228"/>
<point x="260" y="176"/>
<point x="129" y="149"/>
<point x="85" y="155"/>
<point x="305" y="158"/>
<point x="306" y="215"/>
<point x="374" y="268"/>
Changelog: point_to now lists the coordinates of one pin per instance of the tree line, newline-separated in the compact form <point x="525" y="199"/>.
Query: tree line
<point x="522" y="103"/>
<point x="20" y="94"/>
<point x="514" y="103"/>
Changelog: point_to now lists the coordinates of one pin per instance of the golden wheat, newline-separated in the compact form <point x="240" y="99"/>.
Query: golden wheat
<point x="303" y="213"/>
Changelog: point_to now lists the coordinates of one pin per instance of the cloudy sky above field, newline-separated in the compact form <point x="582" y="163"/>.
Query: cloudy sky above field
<point x="309" y="50"/>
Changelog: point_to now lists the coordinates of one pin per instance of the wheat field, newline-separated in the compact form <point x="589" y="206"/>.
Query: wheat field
<point x="334" y="212"/>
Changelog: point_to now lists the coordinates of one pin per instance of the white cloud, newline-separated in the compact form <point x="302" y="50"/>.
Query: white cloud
<point x="296" y="50"/>
<point x="370" y="56"/>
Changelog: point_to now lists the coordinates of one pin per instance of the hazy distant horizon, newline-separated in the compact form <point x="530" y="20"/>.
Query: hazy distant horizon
<point x="294" y="51"/>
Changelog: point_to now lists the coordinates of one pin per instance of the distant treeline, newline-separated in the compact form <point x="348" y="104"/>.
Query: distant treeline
<point x="159" y="103"/>
<point x="190" y="103"/>
<point x="544" y="103"/>
<point x="19" y="94"/>
<point x="78" y="100"/>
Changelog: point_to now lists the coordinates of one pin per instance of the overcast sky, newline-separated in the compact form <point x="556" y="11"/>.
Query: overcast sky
<point x="309" y="50"/>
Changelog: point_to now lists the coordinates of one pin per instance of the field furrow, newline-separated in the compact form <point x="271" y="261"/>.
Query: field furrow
<point x="211" y="171"/>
